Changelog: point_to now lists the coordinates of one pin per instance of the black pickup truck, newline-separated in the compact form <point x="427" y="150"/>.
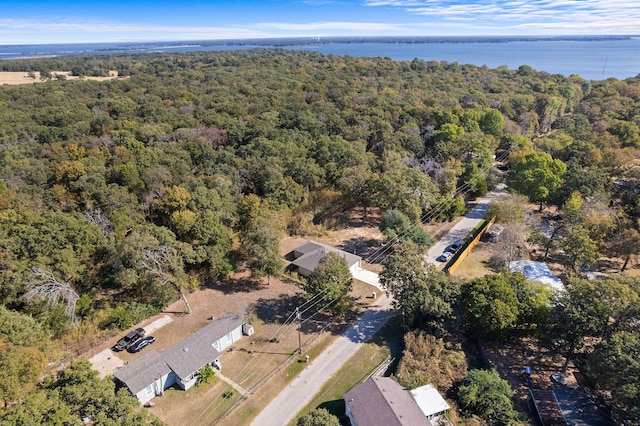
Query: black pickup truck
<point x="129" y="339"/>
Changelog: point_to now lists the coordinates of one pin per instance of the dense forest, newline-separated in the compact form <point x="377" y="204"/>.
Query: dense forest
<point x="117" y="197"/>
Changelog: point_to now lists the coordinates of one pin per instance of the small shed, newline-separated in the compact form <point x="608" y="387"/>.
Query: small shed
<point x="430" y="401"/>
<point x="493" y="233"/>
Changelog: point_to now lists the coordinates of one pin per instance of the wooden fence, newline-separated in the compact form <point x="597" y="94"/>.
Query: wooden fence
<point x="468" y="243"/>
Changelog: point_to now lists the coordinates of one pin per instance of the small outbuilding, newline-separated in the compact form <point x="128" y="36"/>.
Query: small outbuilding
<point x="430" y="401"/>
<point x="493" y="233"/>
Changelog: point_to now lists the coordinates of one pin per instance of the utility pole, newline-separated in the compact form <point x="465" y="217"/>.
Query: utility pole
<point x="299" y="330"/>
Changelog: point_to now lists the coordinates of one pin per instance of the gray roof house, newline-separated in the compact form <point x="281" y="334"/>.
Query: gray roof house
<point x="152" y="373"/>
<point x="381" y="401"/>
<point x="308" y="256"/>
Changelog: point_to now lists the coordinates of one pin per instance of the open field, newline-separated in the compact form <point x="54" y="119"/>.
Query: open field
<point x="15" y="78"/>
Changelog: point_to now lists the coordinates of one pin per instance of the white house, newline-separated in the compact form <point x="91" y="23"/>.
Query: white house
<point x="308" y="256"/>
<point x="152" y="373"/>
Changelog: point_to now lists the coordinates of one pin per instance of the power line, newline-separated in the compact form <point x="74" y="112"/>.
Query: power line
<point x="278" y="333"/>
<point x="437" y="209"/>
<point x="252" y="373"/>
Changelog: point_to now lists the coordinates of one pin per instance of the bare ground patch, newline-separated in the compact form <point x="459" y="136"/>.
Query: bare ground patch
<point x="13" y="78"/>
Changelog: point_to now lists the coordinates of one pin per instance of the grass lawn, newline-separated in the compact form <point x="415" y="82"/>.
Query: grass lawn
<point x="176" y="406"/>
<point x="251" y="406"/>
<point x="475" y="264"/>
<point x="386" y="343"/>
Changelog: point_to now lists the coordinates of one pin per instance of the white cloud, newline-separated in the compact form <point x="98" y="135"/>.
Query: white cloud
<point x="319" y="26"/>
<point x="577" y="16"/>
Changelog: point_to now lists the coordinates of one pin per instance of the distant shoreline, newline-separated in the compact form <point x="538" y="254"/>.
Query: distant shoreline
<point x="295" y="41"/>
<point x="591" y="57"/>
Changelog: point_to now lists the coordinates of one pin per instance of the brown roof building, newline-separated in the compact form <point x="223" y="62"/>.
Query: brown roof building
<point x="381" y="401"/>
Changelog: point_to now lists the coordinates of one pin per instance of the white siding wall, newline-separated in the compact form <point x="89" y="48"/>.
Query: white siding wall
<point x="156" y="388"/>
<point x="144" y="396"/>
<point x="230" y="339"/>
<point x="189" y="383"/>
<point x="237" y="334"/>
<point x="348" y="413"/>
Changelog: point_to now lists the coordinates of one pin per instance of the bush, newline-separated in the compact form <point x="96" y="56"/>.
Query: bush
<point x="396" y="225"/>
<point x="206" y="374"/>
<point x="127" y="315"/>
<point x="318" y="417"/>
<point x="485" y="393"/>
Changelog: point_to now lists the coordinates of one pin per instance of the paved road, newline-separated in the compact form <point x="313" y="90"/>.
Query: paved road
<point x="288" y="403"/>
<point x="464" y="225"/>
<point x="284" y="407"/>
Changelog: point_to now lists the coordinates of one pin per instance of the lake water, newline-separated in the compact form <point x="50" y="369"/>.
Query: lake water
<point x="591" y="59"/>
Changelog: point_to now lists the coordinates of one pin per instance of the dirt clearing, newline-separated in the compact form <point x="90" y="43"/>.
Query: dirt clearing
<point x="15" y="78"/>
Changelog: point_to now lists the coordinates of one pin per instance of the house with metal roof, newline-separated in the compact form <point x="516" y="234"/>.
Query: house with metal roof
<point x="151" y="374"/>
<point x="308" y="256"/>
<point x="537" y="272"/>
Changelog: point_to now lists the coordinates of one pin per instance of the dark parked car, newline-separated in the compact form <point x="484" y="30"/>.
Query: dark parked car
<point x="140" y="344"/>
<point x="129" y="339"/>
<point x="453" y="247"/>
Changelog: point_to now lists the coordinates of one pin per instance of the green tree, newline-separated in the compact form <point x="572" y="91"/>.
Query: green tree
<point x="23" y="330"/>
<point x="206" y="374"/>
<point x="491" y="306"/>
<point x="538" y="176"/>
<point x="625" y="243"/>
<point x="579" y="247"/>
<point x="588" y="309"/>
<point x="79" y="388"/>
<point x="486" y="394"/>
<point x="250" y="209"/>
<point x="332" y="279"/>
<point x="492" y="122"/>
<point x="419" y="290"/>
<point x="264" y="253"/>
<point x="396" y="225"/>
<point x="39" y="408"/>
<point x="20" y="368"/>
<point x="318" y="417"/>
<point x="616" y="367"/>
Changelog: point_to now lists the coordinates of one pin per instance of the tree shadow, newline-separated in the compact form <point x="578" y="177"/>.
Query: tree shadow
<point x="360" y="246"/>
<point x="280" y="309"/>
<point x="240" y="285"/>
<point x="388" y="336"/>
<point x="337" y="408"/>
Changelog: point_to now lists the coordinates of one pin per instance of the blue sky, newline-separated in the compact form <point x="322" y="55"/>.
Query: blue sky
<point x="73" y="21"/>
